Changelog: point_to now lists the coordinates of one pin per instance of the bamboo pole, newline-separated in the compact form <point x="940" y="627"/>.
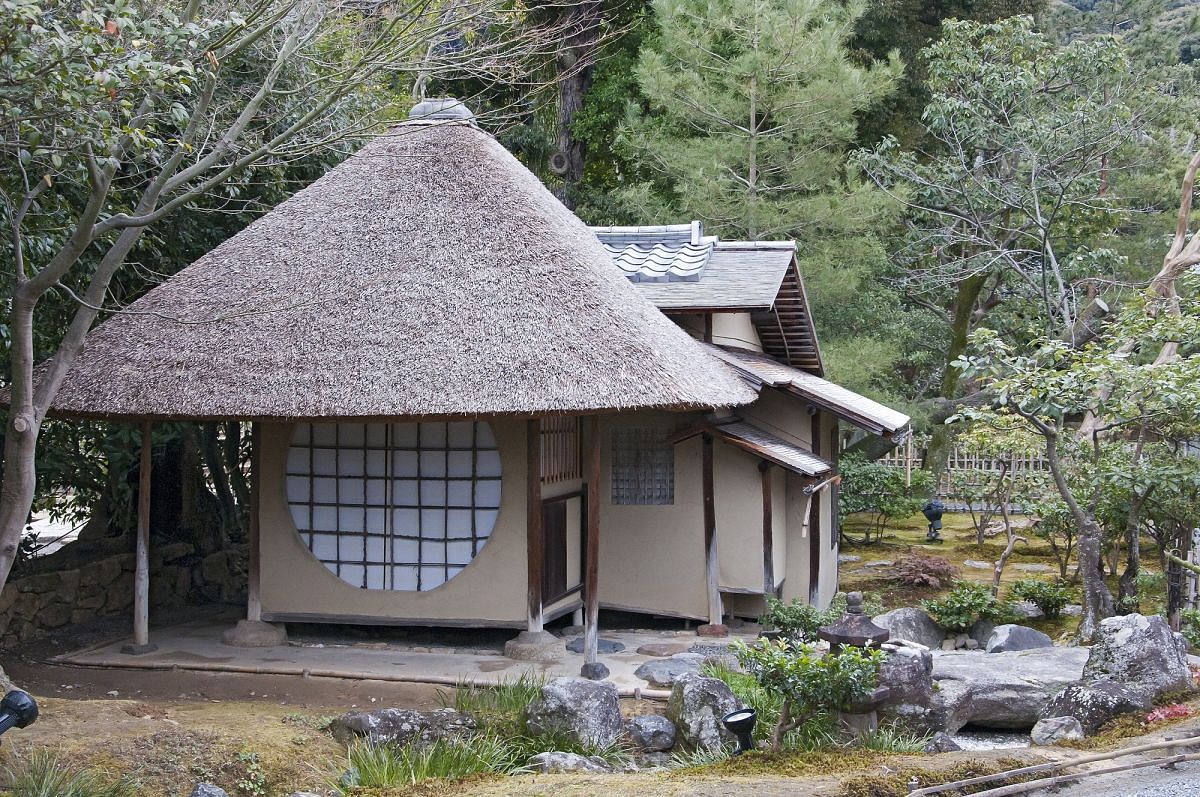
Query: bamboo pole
<point x="1050" y="766"/>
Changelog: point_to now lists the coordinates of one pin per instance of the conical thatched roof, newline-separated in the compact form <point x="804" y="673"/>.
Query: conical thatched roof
<point x="431" y="274"/>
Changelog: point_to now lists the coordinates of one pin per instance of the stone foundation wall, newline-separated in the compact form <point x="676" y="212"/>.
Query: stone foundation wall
<point x="32" y="605"/>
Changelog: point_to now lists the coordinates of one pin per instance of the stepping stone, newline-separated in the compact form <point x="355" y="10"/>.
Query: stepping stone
<point x="845" y="558"/>
<point x="602" y="645"/>
<point x="1036" y="568"/>
<point x="978" y="565"/>
<point x="662" y="649"/>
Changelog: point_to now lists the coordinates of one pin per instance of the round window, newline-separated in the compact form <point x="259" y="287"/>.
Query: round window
<point x="402" y="506"/>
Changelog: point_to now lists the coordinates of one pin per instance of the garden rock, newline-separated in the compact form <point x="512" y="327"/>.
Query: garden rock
<point x="1027" y="610"/>
<point x="1009" y="637"/>
<point x="652" y="733"/>
<point x="1003" y="690"/>
<point x="401" y="726"/>
<point x="975" y="564"/>
<point x="908" y="673"/>
<point x="557" y="761"/>
<point x="696" y="706"/>
<point x="1140" y="652"/>
<point x="1036" y="568"/>
<point x="942" y="743"/>
<point x="981" y="631"/>
<point x="588" y="711"/>
<point x="913" y="625"/>
<point x="847" y="558"/>
<point x="663" y="673"/>
<point x="602" y="645"/>
<point x="1052" y="730"/>
<point x="662" y="649"/>
<point x="1094" y="704"/>
<point x="208" y="790"/>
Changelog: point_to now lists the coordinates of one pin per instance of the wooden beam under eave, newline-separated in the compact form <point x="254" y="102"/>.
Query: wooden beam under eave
<point x="711" y="564"/>
<point x="768" y="531"/>
<point x="814" y="523"/>
<point x="591" y="578"/>
<point x="535" y="542"/>
<point x="141" y="572"/>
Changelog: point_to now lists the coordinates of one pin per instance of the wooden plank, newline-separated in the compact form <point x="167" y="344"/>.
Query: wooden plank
<point x="768" y="532"/>
<point x="534" y="542"/>
<point x="591" y="578"/>
<point x="387" y="620"/>
<point x="711" y="564"/>
<point x="254" y="567"/>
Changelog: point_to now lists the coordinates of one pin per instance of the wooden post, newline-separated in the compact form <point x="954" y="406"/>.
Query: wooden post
<point x="535" y="543"/>
<point x="768" y="532"/>
<point x="253" y="601"/>
<point x="591" y="577"/>
<point x="141" y="573"/>
<point x="815" y="549"/>
<point x="712" y="568"/>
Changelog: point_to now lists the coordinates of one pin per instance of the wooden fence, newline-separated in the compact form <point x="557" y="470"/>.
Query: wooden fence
<point x="968" y="469"/>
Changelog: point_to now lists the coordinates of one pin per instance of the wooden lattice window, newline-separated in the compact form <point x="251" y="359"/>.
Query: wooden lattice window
<point x="560" y="448"/>
<point x="400" y="506"/>
<point x="643" y="466"/>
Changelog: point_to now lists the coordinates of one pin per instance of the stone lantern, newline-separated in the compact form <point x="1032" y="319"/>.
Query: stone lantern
<point x="855" y="629"/>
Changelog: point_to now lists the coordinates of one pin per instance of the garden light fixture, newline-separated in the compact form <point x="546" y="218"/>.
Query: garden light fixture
<point x="741" y="724"/>
<point x="17" y="710"/>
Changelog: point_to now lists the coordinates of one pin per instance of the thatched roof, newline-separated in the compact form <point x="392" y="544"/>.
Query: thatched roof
<point x="431" y="274"/>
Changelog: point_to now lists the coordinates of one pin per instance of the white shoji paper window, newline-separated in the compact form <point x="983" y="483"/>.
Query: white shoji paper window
<point x="643" y="466"/>
<point x="401" y="506"/>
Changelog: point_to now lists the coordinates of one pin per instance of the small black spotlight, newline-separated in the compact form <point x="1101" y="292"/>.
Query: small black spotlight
<point x="741" y="724"/>
<point x="17" y="710"/>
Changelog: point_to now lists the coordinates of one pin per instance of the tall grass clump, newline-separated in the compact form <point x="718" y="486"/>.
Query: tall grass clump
<point x="373" y="766"/>
<point x="42" y="773"/>
<point x="501" y="706"/>
<point x="892" y="738"/>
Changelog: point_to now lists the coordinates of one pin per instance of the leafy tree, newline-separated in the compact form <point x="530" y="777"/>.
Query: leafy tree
<point x="871" y="487"/>
<point x="809" y="681"/>
<point x="116" y="114"/>
<point x="1147" y="404"/>
<point x="1012" y="201"/>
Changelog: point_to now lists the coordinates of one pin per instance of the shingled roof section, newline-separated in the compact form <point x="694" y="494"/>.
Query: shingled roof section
<point x="429" y="275"/>
<point x="758" y="277"/>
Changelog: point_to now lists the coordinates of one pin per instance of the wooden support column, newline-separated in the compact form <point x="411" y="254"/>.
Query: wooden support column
<point x="768" y="531"/>
<point x="591" y="577"/>
<point x="141" y="573"/>
<point x="712" y="573"/>
<point x="535" y="542"/>
<point x="815" y="549"/>
<point x="253" y="579"/>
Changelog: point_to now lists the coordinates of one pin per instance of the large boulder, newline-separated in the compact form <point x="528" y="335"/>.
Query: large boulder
<point x="663" y="673"/>
<point x="1053" y="730"/>
<point x="1140" y="652"/>
<point x="1003" y="690"/>
<point x="558" y="761"/>
<point x="401" y="726"/>
<point x="908" y="674"/>
<point x="696" y="706"/>
<point x="1095" y="703"/>
<point x="1009" y="637"/>
<point x="587" y="711"/>
<point x="651" y="732"/>
<point x="912" y="625"/>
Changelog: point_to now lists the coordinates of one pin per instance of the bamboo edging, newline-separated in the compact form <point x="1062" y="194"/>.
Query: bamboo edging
<point x="1046" y="783"/>
<point x="1050" y="766"/>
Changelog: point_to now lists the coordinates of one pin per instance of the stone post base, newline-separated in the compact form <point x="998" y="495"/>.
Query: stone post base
<point x="712" y="630"/>
<point x="138" y="650"/>
<point x="255" y="634"/>
<point x="535" y="646"/>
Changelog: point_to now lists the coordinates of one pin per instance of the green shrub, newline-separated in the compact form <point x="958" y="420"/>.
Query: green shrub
<point x="800" y="621"/>
<point x="966" y="603"/>
<point x="880" y="489"/>
<point x="43" y="774"/>
<point x="1049" y="596"/>
<point x="1189" y="626"/>
<point x="808" y="683"/>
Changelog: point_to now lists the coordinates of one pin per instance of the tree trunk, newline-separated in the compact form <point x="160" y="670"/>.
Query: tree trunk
<point x="20" y="440"/>
<point x="960" y="329"/>
<point x="218" y="476"/>
<point x="1127" y="585"/>
<point x="576" y="66"/>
